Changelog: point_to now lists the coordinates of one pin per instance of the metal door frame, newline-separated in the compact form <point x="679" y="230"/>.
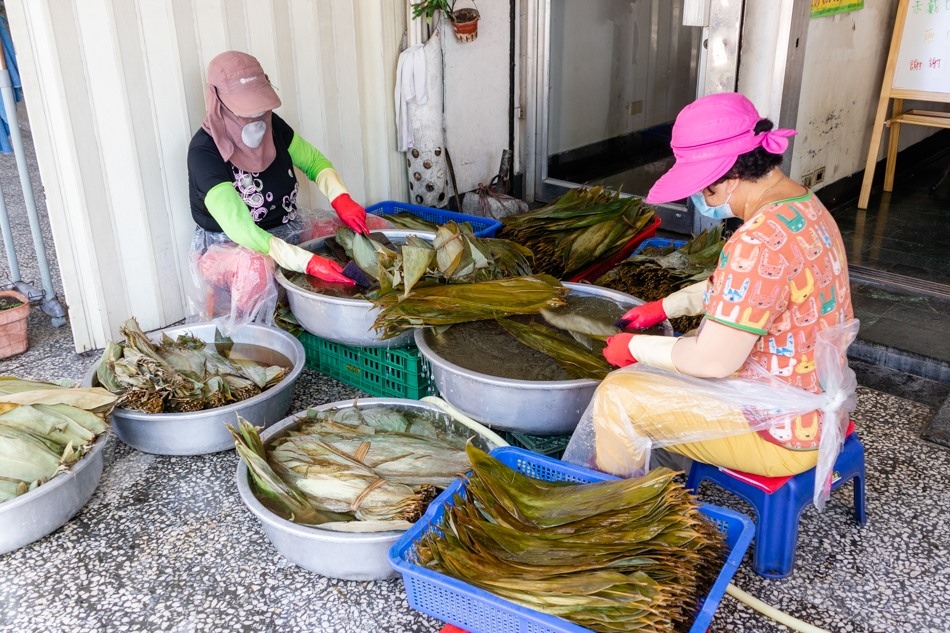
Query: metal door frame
<point x="721" y="35"/>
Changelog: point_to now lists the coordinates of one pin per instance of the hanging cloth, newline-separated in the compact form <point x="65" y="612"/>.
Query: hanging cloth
<point x="410" y="87"/>
<point x="426" y="156"/>
<point x="12" y="68"/>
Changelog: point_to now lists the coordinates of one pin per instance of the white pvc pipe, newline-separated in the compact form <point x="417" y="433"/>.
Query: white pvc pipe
<point x="460" y="417"/>
<point x="765" y="609"/>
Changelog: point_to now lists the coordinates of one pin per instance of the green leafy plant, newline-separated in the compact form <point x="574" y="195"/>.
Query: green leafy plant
<point x="428" y="8"/>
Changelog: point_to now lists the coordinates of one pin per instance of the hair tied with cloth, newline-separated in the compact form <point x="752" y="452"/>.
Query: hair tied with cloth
<point x="776" y="141"/>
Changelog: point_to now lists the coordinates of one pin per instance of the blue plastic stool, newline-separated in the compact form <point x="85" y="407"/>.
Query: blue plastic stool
<point x="778" y="513"/>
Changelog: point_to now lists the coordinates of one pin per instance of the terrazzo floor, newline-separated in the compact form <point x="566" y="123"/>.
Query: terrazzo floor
<point x="166" y="544"/>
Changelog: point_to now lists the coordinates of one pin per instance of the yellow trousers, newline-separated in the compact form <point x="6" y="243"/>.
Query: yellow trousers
<point x="636" y="410"/>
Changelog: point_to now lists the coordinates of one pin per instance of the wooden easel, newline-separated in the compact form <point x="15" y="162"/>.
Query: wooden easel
<point x="905" y="79"/>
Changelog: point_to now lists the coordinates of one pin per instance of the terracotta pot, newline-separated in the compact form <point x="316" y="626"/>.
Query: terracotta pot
<point x="465" y="23"/>
<point x="13" y="334"/>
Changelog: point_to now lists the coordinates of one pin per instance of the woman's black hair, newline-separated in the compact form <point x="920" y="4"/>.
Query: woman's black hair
<point x="755" y="164"/>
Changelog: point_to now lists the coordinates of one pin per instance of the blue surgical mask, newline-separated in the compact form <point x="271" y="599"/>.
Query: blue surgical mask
<point x="719" y="212"/>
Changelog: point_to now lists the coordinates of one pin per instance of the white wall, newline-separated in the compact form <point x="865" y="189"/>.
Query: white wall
<point x="114" y="92"/>
<point x="477" y="94"/>
<point x="841" y="83"/>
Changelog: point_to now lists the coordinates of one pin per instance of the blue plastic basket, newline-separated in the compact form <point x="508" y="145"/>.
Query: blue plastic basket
<point x="658" y="242"/>
<point x="482" y="227"/>
<point x="479" y="611"/>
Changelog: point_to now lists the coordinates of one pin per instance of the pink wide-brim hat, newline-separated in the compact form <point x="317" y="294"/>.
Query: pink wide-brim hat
<point x="241" y="84"/>
<point x="708" y="135"/>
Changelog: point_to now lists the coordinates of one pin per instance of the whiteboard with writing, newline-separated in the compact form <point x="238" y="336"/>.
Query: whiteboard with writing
<point x="924" y="59"/>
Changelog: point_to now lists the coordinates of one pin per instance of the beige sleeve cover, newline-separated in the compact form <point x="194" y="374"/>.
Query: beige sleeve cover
<point x="686" y="301"/>
<point x="289" y="256"/>
<point x="330" y="184"/>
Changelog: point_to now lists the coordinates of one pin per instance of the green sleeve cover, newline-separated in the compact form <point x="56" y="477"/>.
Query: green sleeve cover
<point x="229" y="211"/>
<point x="307" y="158"/>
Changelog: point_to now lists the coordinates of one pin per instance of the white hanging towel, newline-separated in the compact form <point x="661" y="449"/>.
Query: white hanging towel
<point x="410" y="88"/>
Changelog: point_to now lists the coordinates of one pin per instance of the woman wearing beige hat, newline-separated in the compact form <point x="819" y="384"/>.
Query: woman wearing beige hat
<point x="243" y="192"/>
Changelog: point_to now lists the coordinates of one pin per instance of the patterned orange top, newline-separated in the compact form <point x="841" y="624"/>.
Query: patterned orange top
<point x="783" y="275"/>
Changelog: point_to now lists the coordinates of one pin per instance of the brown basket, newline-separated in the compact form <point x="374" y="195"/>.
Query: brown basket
<point x="13" y="322"/>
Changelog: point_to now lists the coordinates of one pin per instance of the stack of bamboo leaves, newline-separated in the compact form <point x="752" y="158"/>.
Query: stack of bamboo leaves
<point x="625" y="555"/>
<point x="180" y="375"/>
<point x="654" y="273"/>
<point x="454" y="256"/>
<point x="351" y="470"/>
<point x="457" y="303"/>
<point x="581" y="228"/>
<point x="44" y="429"/>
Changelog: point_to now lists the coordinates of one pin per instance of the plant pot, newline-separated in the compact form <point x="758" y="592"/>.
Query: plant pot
<point x="13" y="333"/>
<point x="465" y="23"/>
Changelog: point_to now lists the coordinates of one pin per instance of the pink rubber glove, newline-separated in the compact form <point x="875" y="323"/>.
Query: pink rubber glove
<point x="643" y="317"/>
<point x="327" y="270"/>
<point x="352" y="214"/>
<point x="617" y="351"/>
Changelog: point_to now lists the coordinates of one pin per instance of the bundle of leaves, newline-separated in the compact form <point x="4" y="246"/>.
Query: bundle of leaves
<point x="44" y="429"/>
<point x="582" y="227"/>
<point x="623" y="555"/>
<point x="654" y="273"/>
<point x="448" y="304"/>
<point x="454" y="256"/>
<point x="351" y="469"/>
<point x="180" y="375"/>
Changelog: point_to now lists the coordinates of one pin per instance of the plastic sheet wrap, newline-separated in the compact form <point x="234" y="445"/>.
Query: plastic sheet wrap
<point x="640" y="407"/>
<point x="322" y="222"/>
<point x="232" y="285"/>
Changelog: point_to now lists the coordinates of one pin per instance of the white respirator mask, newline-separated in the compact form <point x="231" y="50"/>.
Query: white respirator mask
<point x="253" y="133"/>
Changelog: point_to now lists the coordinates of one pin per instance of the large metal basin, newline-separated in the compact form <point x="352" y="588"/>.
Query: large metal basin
<point x="202" y="432"/>
<point x="534" y="407"/>
<point x="342" y="319"/>
<point x="32" y="516"/>
<point x="335" y="554"/>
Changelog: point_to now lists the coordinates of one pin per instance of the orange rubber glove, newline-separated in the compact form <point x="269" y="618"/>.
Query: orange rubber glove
<point x="327" y="270"/>
<point x="617" y="351"/>
<point x="352" y="214"/>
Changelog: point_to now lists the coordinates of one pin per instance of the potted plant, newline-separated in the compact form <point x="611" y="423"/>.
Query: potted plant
<point x="14" y="309"/>
<point x="464" y="21"/>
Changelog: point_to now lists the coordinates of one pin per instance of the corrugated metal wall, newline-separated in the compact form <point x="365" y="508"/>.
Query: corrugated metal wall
<point x="114" y="92"/>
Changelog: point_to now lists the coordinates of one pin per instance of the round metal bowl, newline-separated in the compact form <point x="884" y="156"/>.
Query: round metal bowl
<point x="202" y="432"/>
<point x="344" y="555"/>
<point x="342" y="319"/>
<point x="535" y="407"/>
<point x="32" y="516"/>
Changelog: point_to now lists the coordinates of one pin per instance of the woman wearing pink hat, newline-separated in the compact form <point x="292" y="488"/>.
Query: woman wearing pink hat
<point x="781" y="279"/>
<point x="243" y="192"/>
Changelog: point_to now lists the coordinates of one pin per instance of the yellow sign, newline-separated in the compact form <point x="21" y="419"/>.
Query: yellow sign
<point x="820" y="8"/>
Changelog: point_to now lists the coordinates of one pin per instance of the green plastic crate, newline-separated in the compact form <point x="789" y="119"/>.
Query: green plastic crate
<point x="380" y="372"/>
<point x="547" y="445"/>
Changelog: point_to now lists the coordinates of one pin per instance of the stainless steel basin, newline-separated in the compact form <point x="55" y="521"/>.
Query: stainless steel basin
<point x="32" y="516"/>
<point x="342" y="319"/>
<point x="201" y="432"/>
<point x="345" y="555"/>
<point x="526" y="406"/>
